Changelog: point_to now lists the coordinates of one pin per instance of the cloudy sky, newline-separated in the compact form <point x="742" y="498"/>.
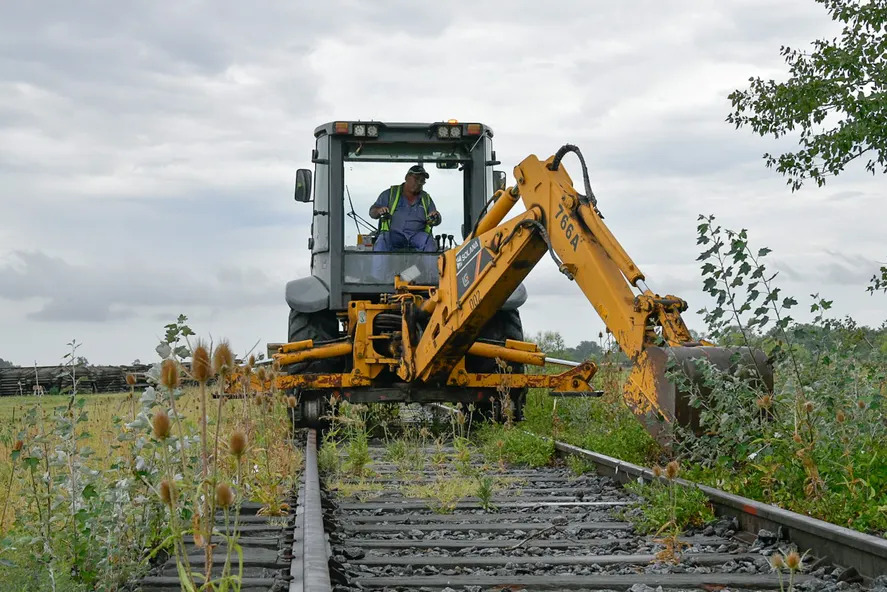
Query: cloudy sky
<point x="147" y="150"/>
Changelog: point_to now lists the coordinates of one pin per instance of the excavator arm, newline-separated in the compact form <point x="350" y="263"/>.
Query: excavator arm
<point x="477" y="277"/>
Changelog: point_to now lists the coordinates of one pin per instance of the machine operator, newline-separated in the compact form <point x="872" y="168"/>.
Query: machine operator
<point x="407" y="215"/>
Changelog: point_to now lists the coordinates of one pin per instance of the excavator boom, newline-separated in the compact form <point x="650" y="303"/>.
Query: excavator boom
<point x="477" y="277"/>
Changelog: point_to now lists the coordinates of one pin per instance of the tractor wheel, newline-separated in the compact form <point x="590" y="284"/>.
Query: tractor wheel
<point x="321" y="326"/>
<point x="506" y="324"/>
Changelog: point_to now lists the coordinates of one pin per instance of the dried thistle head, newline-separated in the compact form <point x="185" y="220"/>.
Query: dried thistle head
<point x="199" y="541"/>
<point x="776" y="561"/>
<point x="275" y="365"/>
<point x="764" y="402"/>
<point x="169" y="374"/>
<point x="793" y="561"/>
<point x="657" y="471"/>
<point x="160" y="423"/>
<point x="291" y="402"/>
<point x="860" y="404"/>
<point x="130" y="379"/>
<point x="252" y="361"/>
<point x="840" y="417"/>
<point x="808" y="407"/>
<point x="672" y="469"/>
<point x="201" y="366"/>
<point x="797" y="438"/>
<point x="261" y="375"/>
<point x="167" y="492"/>
<point x="224" y="495"/>
<point x="237" y="443"/>
<point x="17" y="446"/>
<point x="223" y="358"/>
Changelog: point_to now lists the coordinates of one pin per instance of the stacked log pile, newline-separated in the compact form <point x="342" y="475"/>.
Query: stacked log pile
<point x="49" y="379"/>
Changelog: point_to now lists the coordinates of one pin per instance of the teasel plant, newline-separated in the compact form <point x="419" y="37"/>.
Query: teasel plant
<point x="168" y="493"/>
<point x="203" y="521"/>
<point x="131" y="383"/>
<point x="170" y="380"/>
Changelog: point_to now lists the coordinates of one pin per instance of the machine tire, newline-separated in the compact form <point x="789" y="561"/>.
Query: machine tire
<point x="505" y="324"/>
<point x="320" y="327"/>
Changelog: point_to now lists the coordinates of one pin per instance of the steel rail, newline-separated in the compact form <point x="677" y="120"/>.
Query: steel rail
<point x="834" y="544"/>
<point x="310" y="567"/>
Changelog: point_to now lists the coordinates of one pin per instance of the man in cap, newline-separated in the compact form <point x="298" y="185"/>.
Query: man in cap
<point x="407" y="215"/>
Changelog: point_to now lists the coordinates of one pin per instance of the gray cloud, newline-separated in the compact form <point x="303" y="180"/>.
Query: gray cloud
<point x="77" y="293"/>
<point x="147" y="150"/>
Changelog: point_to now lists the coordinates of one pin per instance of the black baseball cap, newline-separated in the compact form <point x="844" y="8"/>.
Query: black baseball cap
<point x="418" y="169"/>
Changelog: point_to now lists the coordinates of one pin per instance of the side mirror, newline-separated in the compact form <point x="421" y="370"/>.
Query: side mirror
<point x="303" y="185"/>
<point x="498" y="180"/>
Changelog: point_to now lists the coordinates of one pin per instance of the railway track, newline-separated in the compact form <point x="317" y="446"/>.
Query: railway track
<point x="432" y="526"/>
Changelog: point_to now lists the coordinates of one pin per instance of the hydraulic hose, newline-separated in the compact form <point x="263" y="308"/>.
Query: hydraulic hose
<point x="556" y="163"/>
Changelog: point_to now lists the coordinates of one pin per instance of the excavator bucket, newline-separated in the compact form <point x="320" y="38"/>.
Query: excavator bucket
<point x="664" y="380"/>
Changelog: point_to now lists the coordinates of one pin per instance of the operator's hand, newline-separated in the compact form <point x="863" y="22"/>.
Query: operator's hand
<point x="434" y="218"/>
<point x="384" y="212"/>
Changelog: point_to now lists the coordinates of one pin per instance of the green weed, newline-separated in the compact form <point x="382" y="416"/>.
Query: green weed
<point x="668" y="507"/>
<point x="485" y="490"/>
<point x="502" y="444"/>
<point x="580" y="466"/>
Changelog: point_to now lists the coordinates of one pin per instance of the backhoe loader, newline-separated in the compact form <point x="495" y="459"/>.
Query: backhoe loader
<point x="370" y="326"/>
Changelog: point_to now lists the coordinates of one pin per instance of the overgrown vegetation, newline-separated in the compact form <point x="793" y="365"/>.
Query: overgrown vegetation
<point x="668" y="507"/>
<point x="93" y="491"/>
<point x="508" y="444"/>
<point x="815" y="444"/>
<point x="818" y="443"/>
<point x="604" y="424"/>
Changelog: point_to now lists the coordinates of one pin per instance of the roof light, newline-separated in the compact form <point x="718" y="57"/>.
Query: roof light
<point x="452" y="121"/>
<point x="442" y="131"/>
<point x="373" y="131"/>
<point x="455" y="132"/>
<point x="360" y="129"/>
<point x="341" y="127"/>
<point x="473" y="129"/>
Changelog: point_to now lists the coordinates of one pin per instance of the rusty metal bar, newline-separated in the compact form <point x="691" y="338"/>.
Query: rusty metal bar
<point x="488" y="350"/>
<point x="318" y="353"/>
<point x="296" y="346"/>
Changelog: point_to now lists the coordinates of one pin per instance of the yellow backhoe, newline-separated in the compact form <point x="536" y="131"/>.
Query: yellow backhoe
<point x="422" y="340"/>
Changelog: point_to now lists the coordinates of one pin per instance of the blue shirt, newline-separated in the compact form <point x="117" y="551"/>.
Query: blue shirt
<point x="408" y="218"/>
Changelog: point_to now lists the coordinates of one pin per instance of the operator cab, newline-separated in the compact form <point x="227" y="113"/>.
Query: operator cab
<point x="355" y="161"/>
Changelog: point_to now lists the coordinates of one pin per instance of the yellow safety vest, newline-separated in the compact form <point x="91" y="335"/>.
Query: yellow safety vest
<point x="384" y="226"/>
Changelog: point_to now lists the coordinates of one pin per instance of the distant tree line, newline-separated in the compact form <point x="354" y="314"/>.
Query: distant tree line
<point x="5" y="364"/>
<point x="805" y="337"/>
<point x="553" y="344"/>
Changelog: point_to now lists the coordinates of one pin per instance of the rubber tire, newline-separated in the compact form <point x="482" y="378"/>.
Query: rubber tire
<point x="505" y="324"/>
<point x="318" y="326"/>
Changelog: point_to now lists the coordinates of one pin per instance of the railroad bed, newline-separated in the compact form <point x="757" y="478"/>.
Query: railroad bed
<point x="547" y="529"/>
<point x="394" y="529"/>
